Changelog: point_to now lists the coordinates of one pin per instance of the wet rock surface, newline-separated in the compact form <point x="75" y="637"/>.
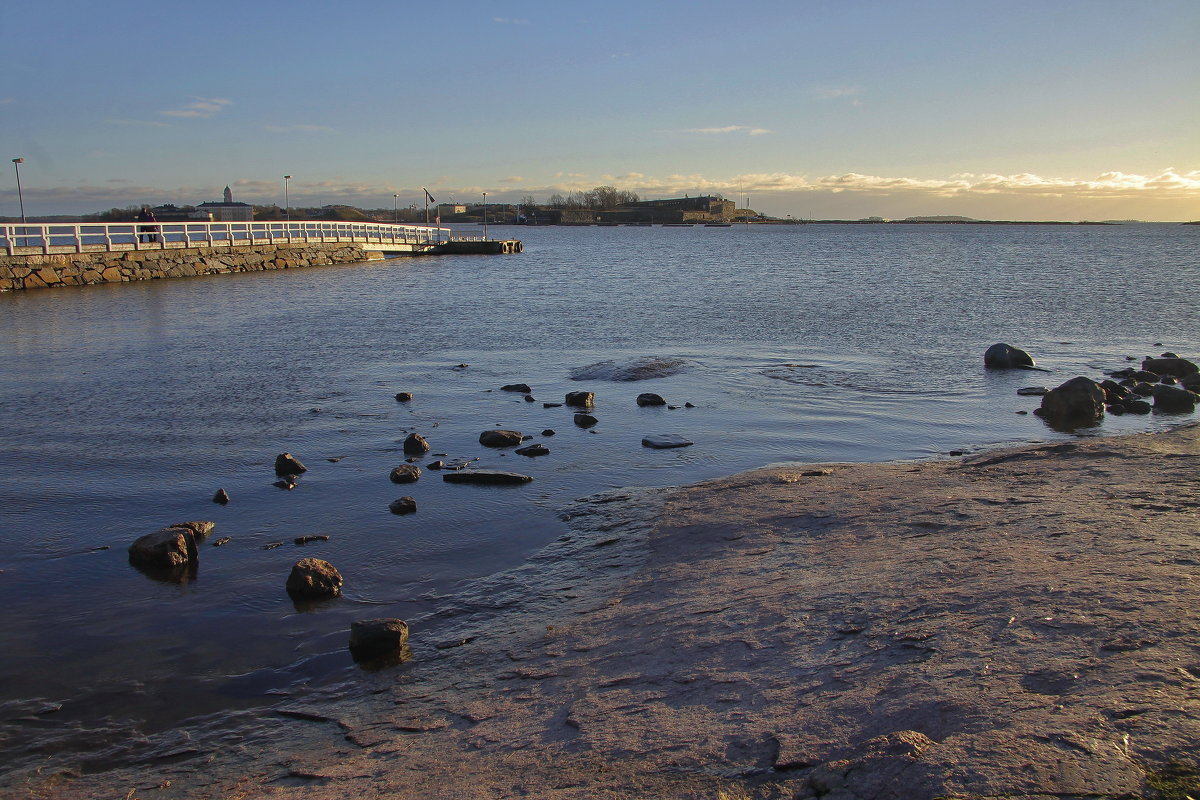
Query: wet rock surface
<point x="1018" y="623"/>
<point x="494" y="477"/>
<point x="500" y="438"/>
<point x="314" y="578"/>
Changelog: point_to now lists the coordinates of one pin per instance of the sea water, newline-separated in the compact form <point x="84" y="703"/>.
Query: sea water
<point x="125" y="407"/>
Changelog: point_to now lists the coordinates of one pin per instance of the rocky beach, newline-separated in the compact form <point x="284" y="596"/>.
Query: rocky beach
<point x="1017" y="623"/>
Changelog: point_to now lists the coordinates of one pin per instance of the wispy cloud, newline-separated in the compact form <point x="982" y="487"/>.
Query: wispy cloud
<point x="199" y="108"/>
<point x="297" y="128"/>
<point x="835" y="92"/>
<point x="152" y="123"/>
<point x="1169" y="183"/>
<point x="725" y="130"/>
<point x="512" y="179"/>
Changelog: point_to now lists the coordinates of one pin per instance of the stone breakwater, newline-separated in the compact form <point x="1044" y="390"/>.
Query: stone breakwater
<point x="79" y="269"/>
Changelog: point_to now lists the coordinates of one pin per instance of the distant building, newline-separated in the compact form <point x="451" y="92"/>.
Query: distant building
<point x="228" y="211"/>
<point x="450" y="209"/>
<point x="169" y="212"/>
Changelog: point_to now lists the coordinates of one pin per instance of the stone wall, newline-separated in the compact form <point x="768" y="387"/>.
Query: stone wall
<point x="75" y="269"/>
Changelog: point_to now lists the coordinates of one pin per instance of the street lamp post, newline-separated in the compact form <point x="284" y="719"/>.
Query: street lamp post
<point x="396" y="208"/>
<point x="287" y="200"/>
<point x="485" y="216"/>
<point x="20" y="197"/>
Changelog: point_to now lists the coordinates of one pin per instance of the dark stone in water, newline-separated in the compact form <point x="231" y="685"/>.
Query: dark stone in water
<point x="551" y="405"/>
<point x="404" y="505"/>
<point x="221" y="541"/>
<point x="486" y="477"/>
<point x="548" y="432"/>
<point x="1173" y="399"/>
<point x="221" y="497"/>
<point x="377" y="638"/>
<point x="164" y="549"/>
<point x="288" y="464"/>
<point x="403" y="397"/>
<point x="1032" y="391"/>
<point x="1171" y="365"/>
<point x="500" y="438"/>
<point x="665" y="441"/>
<point x="313" y="578"/>
<point x="581" y="399"/>
<point x="529" y="398"/>
<point x="533" y="450"/>
<point x="1077" y="403"/>
<point x="523" y="388"/>
<point x="316" y="537"/>
<point x="585" y="420"/>
<point x="415" y="444"/>
<point x="650" y="399"/>
<point x="1003" y="356"/>
<point x="405" y="473"/>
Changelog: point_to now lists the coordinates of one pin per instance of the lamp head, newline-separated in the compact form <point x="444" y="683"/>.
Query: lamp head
<point x="18" y="161"/>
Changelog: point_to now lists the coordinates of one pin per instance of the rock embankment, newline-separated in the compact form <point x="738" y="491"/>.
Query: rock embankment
<point x="79" y="269"/>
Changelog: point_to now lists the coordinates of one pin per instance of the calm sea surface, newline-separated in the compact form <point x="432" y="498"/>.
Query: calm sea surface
<point x="124" y="408"/>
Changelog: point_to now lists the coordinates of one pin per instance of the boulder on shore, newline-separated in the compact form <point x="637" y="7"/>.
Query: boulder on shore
<point x="416" y="445"/>
<point x="1077" y="403"/>
<point x="377" y="638"/>
<point x="288" y="464"/>
<point x="500" y="438"/>
<point x="314" y="578"/>
<point x="1003" y="356"/>
<point x="1173" y="399"/>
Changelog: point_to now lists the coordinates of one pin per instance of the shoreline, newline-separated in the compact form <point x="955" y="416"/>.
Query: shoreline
<point x="1020" y="622"/>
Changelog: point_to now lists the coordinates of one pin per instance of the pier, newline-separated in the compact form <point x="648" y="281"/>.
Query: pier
<point x="35" y="256"/>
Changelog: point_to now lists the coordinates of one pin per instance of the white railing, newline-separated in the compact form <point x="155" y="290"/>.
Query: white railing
<point x="33" y="239"/>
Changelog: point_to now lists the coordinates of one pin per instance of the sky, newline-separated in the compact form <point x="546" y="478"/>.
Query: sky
<point x="1020" y="109"/>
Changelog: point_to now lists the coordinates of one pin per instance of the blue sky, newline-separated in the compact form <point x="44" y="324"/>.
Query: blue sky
<point x="1017" y="109"/>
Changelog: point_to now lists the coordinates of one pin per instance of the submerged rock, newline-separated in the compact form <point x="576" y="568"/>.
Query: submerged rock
<point x="485" y="476"/>
<point x="500" y="438"/>
<point x="404" y="505"/>
<point x="313" y="578"/>
<point x="638" y="369"/>
<point x="1004" y="356"/>
<point x="221" y="497"/>
<point x="403" y="397"/>
<point x="523" y="388"/>
<point x="533" y="450"/>
<point x="377" y="638"/>
<point x="585" y="420"/>
<point x="665" y="441"/>
<point x="650" y="399"/>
